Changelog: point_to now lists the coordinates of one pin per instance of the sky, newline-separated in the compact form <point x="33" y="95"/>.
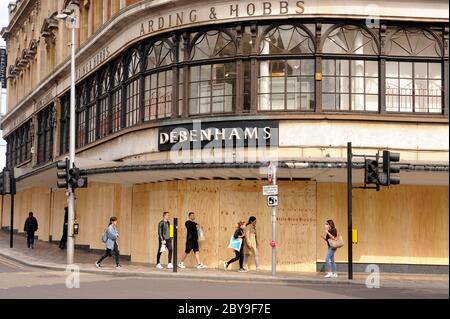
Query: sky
<point x="3" y="23"/>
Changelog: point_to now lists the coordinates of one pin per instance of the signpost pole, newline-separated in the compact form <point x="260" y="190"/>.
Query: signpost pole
<point x="274" y="223"/>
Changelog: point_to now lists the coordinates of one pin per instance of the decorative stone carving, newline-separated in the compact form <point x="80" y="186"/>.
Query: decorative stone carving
<point x="49" y="28"/>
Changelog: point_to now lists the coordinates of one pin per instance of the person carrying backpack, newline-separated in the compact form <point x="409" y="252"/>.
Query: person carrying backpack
<point x="110" y="237"/>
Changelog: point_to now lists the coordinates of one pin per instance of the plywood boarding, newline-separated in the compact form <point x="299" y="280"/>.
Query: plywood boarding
<point x="219" y="205"/>
<point x="401" y="224"/>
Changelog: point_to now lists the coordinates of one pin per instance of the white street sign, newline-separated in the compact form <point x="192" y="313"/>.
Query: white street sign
<point x="270" y="190"/>
<point x="272" y="201"/>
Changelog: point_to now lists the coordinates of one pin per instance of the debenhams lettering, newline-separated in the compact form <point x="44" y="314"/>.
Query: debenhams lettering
<point x="214" y="134"/>
<point x="222" y="12"/>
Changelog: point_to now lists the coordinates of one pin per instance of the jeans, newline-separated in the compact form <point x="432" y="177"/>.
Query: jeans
<point x="329" y="259"/>
<point x="110" y="252"/>
<point x="169" y="248"/>
<point x="30" y="239"/>
<point x="239" y="256"/>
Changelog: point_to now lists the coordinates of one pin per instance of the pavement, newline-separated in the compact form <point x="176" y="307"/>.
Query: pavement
<point x="48" y="256"/>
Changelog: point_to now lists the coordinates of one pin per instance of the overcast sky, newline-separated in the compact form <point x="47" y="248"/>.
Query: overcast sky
<point x="3" y="23"/>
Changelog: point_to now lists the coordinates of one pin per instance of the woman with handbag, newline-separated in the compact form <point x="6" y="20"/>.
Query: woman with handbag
<point x="251" y="242"/>
<point x="238" y="234"/>
<point x="330" y="234"/>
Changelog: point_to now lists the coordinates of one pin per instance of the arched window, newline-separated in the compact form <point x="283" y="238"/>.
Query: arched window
<point x="287" y="39"/>
<point x="116" y="97"/>
<point x="414" y="85"/>
<point x="350" y="78"/>
<point x="132" y="89"/>
<point x="158" y="81"/>
<point x="105" y="80"/>
<point x="212" y="87"/>
<point x="213" y="44"/>
<point x="288" y="83"/>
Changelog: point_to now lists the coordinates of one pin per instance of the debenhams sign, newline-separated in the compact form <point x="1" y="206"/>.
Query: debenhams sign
<point x="219" y="135"/>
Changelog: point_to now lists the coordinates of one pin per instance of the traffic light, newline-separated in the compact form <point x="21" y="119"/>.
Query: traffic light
<point x="371" y="172"/>
<point x="75" y="181"/>
<point x="389" y="169"/>
<point x="63" y="173"/>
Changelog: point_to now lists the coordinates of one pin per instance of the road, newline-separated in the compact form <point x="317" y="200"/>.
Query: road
<point x="18" y="281"/>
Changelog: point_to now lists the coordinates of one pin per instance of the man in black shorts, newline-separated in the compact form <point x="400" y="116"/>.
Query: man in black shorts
<point x="192" y="242"/>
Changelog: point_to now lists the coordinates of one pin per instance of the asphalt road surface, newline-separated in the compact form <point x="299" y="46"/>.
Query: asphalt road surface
<point x="18" y="281"/>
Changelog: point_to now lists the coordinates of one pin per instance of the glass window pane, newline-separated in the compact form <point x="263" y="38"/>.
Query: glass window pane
<point x="358" y="68"/>
<point x="329" y="84"/>
<point x="195" y="73"/>
<point x="435" y="104"/>
<point x="435" y="70"/>
<point x="264" y="85"/>
<point x="328" y="101"/>
<point x="406" y="70"/>
<point x="307" y="67"/>
<point x="292" y="102"/>
<point x="307" y="101"/>
<point x="277" y="101"/>
<point x="421" y="70"/>
<point x="372" y="85"/>
<point x="307" y="85"/>
<point x="392" y="86"/>
<point x="372" y="68"/>
<point x="392" y="103"/>
<point x="205" y="72"/>
<point x="435" y="87"/>
<point x="328" y="67"/>
<point x="293" y="67"/>
<point x="392" y="69"/>
<point x="342" y="67"/>
<point x="343" y="102"/>
<point x="343" y="85"/>
<point x="421" y="103"/>
<point x="358" y="85"/>
<point x="278" y="85"/>
<point x="406" y="103"/>
<point x="358" y="102"/>
<point x="264" y="102"/>
<point x="421" y="87"/>
<point x="372" y="103"/>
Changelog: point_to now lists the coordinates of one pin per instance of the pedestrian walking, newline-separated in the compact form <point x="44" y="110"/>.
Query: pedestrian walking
<point x="330" y="233"/>
<point x="251" y="242"/>
<point x="63" y="241"/>
<point x="30" y="227"/>
<point x="192" y="242"/>
<point x="238" y="234"/>
<point x="165" y="242"/>
<point x="110" y="237"/>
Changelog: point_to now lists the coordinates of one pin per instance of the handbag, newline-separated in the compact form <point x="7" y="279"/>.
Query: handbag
<point x="338" y="243"/>
<point x="201" y="234"/>
<point x="235" y="243"/>
<point x="163" y="248"/>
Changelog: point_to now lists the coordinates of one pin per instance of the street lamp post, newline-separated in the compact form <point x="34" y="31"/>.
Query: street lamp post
<point x="69" y="16"/>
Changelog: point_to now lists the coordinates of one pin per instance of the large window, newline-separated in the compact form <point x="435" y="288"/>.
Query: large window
<point x="19" y="145"/>
<point x="158" y="84"/>
<point x="116" y="98"/>
<point x="286" y="85"/>
<point x="350" y="74"/>
<point x="413" y="86"/>
<point x="91" y="110"/>
<point x="81" y="117"/>
<point x="65" y="124"/>
<point x="45" y="134"/>
<point x="103" y="121"/>
<point x="212" y="87"/>
<point x="132" y="109"/>
<point x="350" y="85"/>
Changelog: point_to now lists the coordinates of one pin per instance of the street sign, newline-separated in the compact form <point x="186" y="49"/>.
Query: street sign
<point x="270" y="190"/>
<point x="272" y="201"/>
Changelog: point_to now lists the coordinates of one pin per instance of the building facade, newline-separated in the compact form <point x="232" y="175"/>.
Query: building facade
<point x="181" y="104"/>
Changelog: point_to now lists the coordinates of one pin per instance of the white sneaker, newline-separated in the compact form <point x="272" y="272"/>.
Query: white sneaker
<point x="181" y="265"/>
<point x="169" y="266"/>
<point x="98" y="265"/>
<point x="328" y="275"/>
<point x="335" y="275"/>
<point x="225" y="265"/>
<point x="159" y="266"/>
<point x="201" y="266"/>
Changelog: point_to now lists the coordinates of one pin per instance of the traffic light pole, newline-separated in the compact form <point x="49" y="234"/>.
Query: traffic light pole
<point x="350" y="209"/>
<point x="70" y="190"/>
